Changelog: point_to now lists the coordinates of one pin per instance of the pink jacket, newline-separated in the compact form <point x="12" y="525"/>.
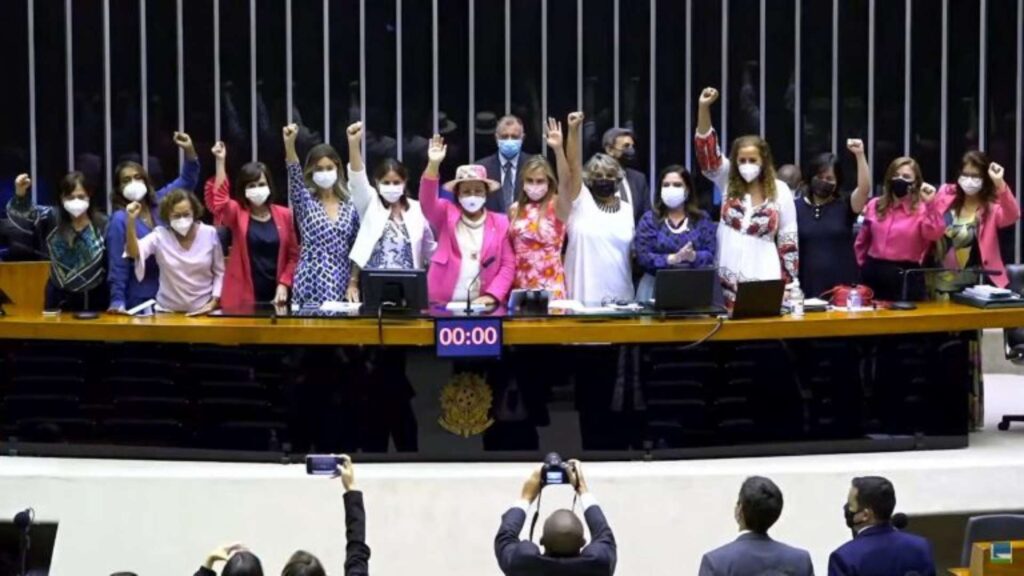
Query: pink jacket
<point x="1000" y="214"/>
<point x="443" y="275"/>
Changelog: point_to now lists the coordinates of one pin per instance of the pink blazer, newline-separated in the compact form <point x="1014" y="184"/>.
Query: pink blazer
<point x="1000" y="214"/>
<point x="443" y="216"/>
<point x="238" y="289"/>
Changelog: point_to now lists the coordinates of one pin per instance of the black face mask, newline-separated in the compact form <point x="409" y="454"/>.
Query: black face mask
<point x="900" y="187"/>
<point x="822" y="188"/>
<point x="628" y="155"/>
<point x="604" y="188"/>
<point x="849" y="514"/>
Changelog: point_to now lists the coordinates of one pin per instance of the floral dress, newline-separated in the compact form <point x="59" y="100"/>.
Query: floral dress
<point x="537" y="239"/>
<point x="754" y="242"/>
<point x="324" y="266"/>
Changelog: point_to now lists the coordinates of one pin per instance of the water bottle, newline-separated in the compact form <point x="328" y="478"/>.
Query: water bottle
<point x="853" y="301"/>
<point x="796" y="300"/>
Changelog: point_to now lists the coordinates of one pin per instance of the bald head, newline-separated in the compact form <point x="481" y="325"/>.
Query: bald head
<point x="563" y="534"/>
<point x="790" y="174"/>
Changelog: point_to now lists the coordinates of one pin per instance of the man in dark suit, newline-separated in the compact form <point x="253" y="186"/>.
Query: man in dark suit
<point x="754" y="553"/>
<point x="877" y="548"/>
<point x="506" y="164"/>
<point x="564" y="551"/>
<point x="620" y="143"/>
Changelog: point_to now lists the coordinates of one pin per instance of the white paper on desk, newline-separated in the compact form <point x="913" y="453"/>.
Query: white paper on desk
<point x="573" y="305"/>
<point x="335" y="306"/>
<point x="815" y="302"/>
<point x="144" y="309"/>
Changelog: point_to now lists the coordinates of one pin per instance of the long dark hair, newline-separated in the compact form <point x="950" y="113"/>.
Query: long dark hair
<point x="819" y="164"/>
<point x="67" y="185"/>
<point x="692" y="205"/>
<point x="117" y="199"/>
<point x="250" y="172"/>
<point x="392" y="165"/>
<point x="988" y="192"/>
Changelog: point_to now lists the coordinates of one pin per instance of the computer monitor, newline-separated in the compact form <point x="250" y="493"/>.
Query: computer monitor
<point x="686" y="290"/>
<point x="394" y="290"/>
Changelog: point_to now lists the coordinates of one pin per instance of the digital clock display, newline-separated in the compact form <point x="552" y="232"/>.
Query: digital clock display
<point x="468" y="337"/>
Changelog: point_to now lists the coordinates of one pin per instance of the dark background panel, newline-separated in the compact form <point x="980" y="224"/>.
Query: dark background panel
<point x="780" y="87"/>
<point x="453" y="75"/>
<point x="562" y="56"/>
<point x="816" y="78"/>
<point x="417" y="85"/>
<point x="344" y="54"/>
<point x="889" y="73"/>
<point x="489" y="71"/>
<point x="235" y="82"/>
<point x="598" y="73"/>
<point x="87" y="42"/>
<point x="853" y="84"/>
<point x="200" y="113"/>
<point x="14" y="123"/>
<point x="707" y="71"/>
<point x="125" y="82"/>
<point x="926" y="93"/>
<point x="635" y="77"/>
<point x="744" y="68"/>
<point x="963" y="80"/>
<point x="162" y="85"/>
<point x="526" y="70"/>
<point x="670" y="92"/>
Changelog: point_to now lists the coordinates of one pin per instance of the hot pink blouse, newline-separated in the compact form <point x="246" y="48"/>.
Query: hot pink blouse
<point x="905" y="234"/>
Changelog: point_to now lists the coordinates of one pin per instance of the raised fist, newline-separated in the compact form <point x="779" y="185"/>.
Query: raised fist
<point x="996" y="173"/>
<point x="855" y="145"/>
<point x="575" y="119"/>
<point x="708" y="96"/>
<point x="21" y="184"/>
<point x="183" y="140"/>
<point x="927" y="192"/>
<point x="290" y="133"/>
<point x="133" y="210"/>
<point x="219" y="150"/>
<point x="355" y="131"/>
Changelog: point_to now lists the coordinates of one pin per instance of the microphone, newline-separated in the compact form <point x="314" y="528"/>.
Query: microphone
<point x="899" y="521"/>
<point x="23" y="522"/>
<point x="469" y="289"/>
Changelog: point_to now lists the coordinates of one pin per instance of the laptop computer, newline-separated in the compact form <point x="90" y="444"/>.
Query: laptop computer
<point x="758" y="299"/>
<point x="686" y="291"/>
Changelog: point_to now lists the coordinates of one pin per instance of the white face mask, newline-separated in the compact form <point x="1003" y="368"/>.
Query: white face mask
<point x="76" y="206"/>
<point x="673" y="196"/>
<point x="135" y="190"/>
<point x="182" y="225"/>
<point x="536" y="192"/>
<point x="326" y="178"/>
<point x="472" y="204"/>
<point x="971" y="185"/>
<point x="392" y="192"/>
<point x="258" y="195"/>
<point x="750" y="172"/>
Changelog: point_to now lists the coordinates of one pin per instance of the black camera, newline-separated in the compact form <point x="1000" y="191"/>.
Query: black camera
<point x="554" y="471"/>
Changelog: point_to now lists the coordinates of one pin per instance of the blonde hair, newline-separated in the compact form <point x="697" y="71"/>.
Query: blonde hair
<point x="533" y="164"/>
<point x="603" y="163"/>
<point x="737" y="185"/>
<point x="887" y="200"/>
<point x="318" y="153"/>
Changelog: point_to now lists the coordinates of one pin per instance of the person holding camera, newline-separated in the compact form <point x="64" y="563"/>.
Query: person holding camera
<point x="565" y="551"/>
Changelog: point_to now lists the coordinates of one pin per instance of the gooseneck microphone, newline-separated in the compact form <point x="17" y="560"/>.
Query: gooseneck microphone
<point x="469" y="289"/>
<point x="23" y="523"/>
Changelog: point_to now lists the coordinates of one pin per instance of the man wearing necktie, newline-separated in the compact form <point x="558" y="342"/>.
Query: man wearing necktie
<point x="506" y="164"/>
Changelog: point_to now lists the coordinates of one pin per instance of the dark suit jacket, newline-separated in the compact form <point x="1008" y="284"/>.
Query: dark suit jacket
<point x="495" y="202"/>
<point x="523" y="558"/>
<point x="883" y="551"/>
<point x="357" y="553"/>
<point x="756" y="555"/>
<point x="641" y="193"/>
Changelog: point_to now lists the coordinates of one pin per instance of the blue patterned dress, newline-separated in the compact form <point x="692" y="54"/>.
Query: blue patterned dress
<point x="324" y="266"/>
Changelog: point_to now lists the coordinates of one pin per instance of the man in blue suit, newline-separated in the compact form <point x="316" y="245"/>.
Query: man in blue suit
<point x="754" y="553"/>
<point x="564" y="551"/>
<point x="877" y="548"/>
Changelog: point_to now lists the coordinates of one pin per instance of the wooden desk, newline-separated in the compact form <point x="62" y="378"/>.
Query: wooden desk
<point x="929" y="317"/>
<point x="960" y="571"/>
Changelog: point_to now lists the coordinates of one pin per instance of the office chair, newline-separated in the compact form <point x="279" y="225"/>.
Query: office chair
<point x="1013" y="338"/>
<point x="991" y="528"/>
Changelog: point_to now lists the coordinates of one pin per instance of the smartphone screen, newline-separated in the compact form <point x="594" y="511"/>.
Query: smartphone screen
<point x="321" y="464"/>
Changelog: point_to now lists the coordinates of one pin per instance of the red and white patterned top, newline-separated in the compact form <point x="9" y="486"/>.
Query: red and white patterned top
<point x="537" y="240"/>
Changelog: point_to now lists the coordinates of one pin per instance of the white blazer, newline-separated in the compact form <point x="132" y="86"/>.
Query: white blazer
<point x="373" y="217"/>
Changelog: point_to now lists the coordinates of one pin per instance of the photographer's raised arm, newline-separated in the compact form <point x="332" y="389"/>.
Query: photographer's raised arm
<point x="507" y="540"/>
<point x="602" y="544"/>
<point x="357" y="553"/>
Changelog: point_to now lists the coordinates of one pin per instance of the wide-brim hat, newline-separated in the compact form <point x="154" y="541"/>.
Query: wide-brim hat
<point x="486" y="123"/>
<point x="472" y="173"/>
